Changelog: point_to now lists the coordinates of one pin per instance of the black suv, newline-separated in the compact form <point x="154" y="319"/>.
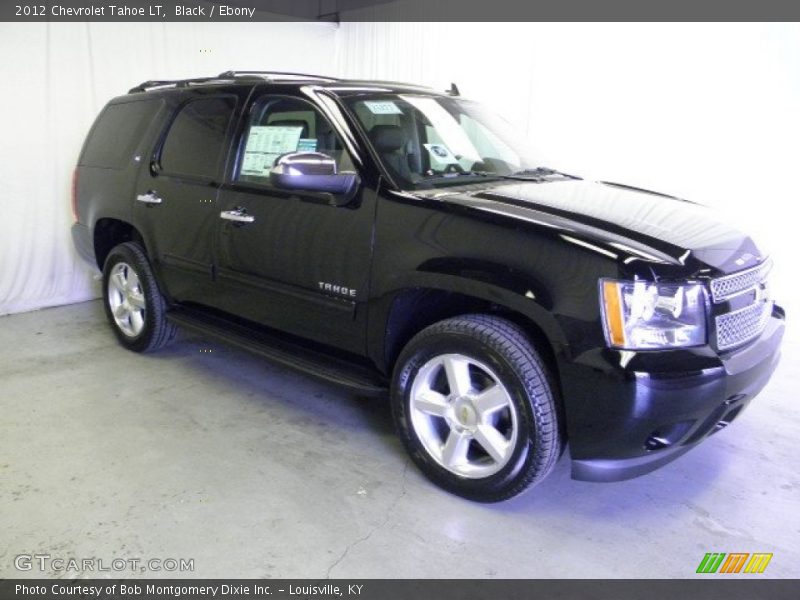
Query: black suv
<point x="388" y="237"/>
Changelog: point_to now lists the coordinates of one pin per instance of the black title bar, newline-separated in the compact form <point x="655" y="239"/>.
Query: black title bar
<point x="399" y="10"/>
<point x="702" y="588"/>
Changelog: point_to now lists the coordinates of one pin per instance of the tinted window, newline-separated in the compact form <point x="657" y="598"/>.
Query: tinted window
<point x="196" y="138"/>
<point x="116" y="133"/>
<point x="281" y="125"/>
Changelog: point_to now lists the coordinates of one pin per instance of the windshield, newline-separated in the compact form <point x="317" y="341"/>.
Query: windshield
<point x="431" y="141"/>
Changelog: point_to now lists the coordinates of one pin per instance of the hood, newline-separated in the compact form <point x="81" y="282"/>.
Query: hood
<point x="638" y="223"/>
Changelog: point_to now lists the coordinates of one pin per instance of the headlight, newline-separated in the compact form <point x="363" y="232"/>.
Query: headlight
<point x="642" y="315"/>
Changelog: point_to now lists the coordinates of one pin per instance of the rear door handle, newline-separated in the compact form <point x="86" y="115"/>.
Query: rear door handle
<point x="238" y="215"/>
<point x="149" y="198"/>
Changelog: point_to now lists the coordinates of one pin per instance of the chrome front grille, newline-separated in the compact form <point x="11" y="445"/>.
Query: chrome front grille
<point x="744" y="323"/>
<point x="739" y="283"/>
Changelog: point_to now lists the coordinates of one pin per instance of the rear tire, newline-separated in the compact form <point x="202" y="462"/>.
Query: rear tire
<point x="473" y="404"/>
<point x="134" y="305"/>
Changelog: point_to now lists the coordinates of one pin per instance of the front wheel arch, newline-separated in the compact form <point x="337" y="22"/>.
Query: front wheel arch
<point x="408" y="311"/>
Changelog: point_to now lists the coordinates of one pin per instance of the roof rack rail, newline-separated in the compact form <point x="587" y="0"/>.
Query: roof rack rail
<point x="269" y="74"/>
<point x="226" y="76"/>
<point x="386" y="82"/>
<point x="148" y="85"/>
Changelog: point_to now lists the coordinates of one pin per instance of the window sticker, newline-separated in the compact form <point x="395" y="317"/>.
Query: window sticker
<point x="307" y="145"/>
<point x="386" y="107"/>
<point x="447" y="127"/>
<point x="440" y="155"/>
<point x="265" y="143"/>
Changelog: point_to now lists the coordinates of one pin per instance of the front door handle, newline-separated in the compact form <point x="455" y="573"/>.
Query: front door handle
<point x="149" y="198"/>
<point x="238" y="214"/>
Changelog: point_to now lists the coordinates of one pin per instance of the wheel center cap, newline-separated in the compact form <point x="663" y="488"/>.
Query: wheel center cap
<point x="464" y="415"/>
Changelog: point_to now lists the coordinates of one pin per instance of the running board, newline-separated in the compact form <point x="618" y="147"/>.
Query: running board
<point x="274" y="348"/>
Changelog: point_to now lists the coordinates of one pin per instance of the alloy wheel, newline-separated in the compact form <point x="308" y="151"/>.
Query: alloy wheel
<point x="126" y="299"/>
<point x="463" y="415"/>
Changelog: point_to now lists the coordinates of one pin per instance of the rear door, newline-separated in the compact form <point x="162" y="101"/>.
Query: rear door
<point x="176" y="197"/>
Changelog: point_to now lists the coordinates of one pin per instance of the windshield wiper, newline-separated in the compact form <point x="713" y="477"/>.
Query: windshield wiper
<point x="538" y="174"/>
<point x="465" y="178"/>
<point x="459" y="174"/>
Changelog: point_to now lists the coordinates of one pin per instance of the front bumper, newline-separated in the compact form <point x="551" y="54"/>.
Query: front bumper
<point x="629" y="413"/>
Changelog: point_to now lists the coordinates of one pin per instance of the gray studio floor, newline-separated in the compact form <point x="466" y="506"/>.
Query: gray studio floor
<point x="207" y="453"/>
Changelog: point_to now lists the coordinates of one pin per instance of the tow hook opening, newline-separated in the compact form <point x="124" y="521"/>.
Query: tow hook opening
<point x="727" y="419"/>
<point x="667" y="436"/>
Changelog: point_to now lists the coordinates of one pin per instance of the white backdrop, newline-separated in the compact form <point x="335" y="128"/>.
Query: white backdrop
<point x="56" y="78"/>
<point x="708" y="112"/>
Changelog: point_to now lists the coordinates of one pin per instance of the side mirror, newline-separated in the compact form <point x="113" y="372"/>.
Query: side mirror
<point x="312" y="172"/>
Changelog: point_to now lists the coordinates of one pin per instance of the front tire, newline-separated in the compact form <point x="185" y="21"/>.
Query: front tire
<point x="474" y="407"/>
<point x="133" y="303"/>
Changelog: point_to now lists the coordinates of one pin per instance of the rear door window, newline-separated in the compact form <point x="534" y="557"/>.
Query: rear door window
<point x="196" y="139"/>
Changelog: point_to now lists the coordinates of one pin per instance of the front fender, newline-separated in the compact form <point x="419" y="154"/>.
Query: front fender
<point x="477" y="290"/>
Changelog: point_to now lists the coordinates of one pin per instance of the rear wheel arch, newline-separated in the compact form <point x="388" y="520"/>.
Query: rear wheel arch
<point x="109" y="233"/>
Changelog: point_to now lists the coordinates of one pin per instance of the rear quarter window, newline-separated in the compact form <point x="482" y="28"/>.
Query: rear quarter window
<point x="116" y="133"/>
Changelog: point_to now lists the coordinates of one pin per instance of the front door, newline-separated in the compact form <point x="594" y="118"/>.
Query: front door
<point x="293" y="260"/>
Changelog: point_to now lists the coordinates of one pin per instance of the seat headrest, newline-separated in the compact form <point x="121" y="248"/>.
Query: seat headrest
<point x="387" y="138"/>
